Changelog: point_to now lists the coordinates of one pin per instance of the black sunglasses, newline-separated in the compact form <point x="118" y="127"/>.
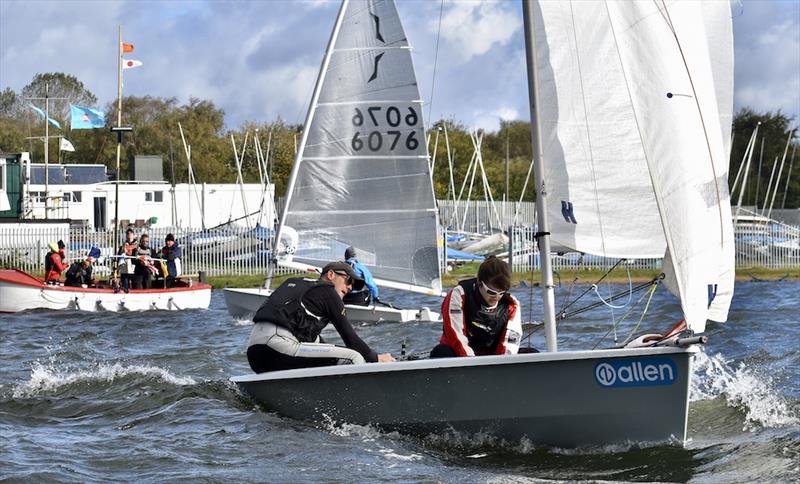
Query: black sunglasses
<point x="348" y="279"/>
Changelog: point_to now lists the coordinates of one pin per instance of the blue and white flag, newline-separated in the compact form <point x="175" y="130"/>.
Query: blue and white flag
<point x="86" y="118"/>
<point x="43" y="115"/>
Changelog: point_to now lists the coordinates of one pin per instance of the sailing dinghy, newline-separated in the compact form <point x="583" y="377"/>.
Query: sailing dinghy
<point x="361" y="177"/>
<point x="630" y="121"/>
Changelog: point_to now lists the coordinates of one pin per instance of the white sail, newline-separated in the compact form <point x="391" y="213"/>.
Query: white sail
<point x="648" y="163"/>
<point x="600" y="197"/>
<point x="362" y="177"/>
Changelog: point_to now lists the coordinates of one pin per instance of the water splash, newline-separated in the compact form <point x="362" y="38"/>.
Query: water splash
<point x="48" y="378"/>
<point x="742" y="387"/>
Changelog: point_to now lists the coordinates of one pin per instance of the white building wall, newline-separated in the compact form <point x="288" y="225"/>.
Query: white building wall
<point x="195" y="206"/>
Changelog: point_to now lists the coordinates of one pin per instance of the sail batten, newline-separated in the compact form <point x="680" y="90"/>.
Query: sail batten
<point x="363" y="178"/>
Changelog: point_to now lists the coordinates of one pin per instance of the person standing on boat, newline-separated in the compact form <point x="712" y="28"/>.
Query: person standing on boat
<point x="54" y="262"/>
<point x="480" y="316"/>
<point x="171" y="252"/>
<point x="143" y="271"/>
<point x="287" y="328"/>
<point x="79" y="273"/>
<point x="125" y="266"/>
<point x="368" y="290"/>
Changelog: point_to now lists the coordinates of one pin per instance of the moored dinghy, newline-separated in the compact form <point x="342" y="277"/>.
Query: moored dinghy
<point x="19" y="291"/>
<point x="604" y="70"/>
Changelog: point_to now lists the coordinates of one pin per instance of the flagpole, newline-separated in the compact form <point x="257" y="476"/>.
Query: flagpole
<point x="119" y="138"/>
<point x="46" y="150"/>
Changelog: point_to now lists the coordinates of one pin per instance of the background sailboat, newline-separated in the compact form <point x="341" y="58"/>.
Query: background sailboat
<point x="361" y="177"/>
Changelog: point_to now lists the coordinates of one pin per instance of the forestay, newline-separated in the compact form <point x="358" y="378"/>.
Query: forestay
<point x="636" y="134"/>
<point x="361" y="177"/>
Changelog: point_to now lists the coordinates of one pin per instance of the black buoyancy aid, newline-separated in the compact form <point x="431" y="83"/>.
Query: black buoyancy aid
<point x="485" y="326"/>
<point x="284" y="308"/>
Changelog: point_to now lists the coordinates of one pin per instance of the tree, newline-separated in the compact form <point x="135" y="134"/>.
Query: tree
<point x="57" y="85"/>
<point x="773" y="133"/>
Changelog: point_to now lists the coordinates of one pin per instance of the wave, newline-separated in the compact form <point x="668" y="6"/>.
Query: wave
<point x="48" y="378"/>
<point x="742" y="387"/>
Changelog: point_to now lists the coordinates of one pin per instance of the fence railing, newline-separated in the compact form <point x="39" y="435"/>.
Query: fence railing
<point x="237" y="251"/>
<point x="772" y="245"/>
<point x="229" y="251"/>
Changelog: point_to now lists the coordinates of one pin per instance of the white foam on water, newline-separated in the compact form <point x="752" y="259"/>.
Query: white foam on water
<point x="47" y="378"/>
<point x="242" y="322"/>
<point x="368" y="433"/>
<point x="742" y="387"/>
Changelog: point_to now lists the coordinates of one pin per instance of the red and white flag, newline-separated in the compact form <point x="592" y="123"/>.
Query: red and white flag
<point x="130" y="63"/>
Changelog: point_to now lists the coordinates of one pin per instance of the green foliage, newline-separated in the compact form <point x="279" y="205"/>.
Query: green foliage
<point x="516" y="134"/>
<point x="155" y="122"/>
<point x="773" y="134"/>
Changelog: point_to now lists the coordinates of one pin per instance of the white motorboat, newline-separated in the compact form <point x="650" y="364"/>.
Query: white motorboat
<point x="20" y="291"/>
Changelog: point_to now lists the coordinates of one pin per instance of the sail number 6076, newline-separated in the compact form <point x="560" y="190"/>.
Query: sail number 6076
<point x="393" y="118"/>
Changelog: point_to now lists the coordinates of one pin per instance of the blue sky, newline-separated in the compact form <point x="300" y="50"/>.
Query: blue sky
<point x="258" y="59"/>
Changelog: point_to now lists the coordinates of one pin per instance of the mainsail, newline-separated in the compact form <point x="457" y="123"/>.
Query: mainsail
<point x="361" y="176"/>
<point x="636" y="133"/>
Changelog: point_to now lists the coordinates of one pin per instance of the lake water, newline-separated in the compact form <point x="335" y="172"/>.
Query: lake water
<point x="145" y="396"/>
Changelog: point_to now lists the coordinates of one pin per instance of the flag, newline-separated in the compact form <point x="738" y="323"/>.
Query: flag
<point x="130" y="63"/>
<point x="127" y="48"/>
<point x="66" y="145"/>
<point x="41" y="113"/>
<point x="86" y="118"/>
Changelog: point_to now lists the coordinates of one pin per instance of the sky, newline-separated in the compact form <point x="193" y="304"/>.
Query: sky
<point x="258" y="59"/>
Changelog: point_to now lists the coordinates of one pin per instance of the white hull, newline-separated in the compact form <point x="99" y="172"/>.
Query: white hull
<point x="15" y="297"/>
<point x="243" y="303"/>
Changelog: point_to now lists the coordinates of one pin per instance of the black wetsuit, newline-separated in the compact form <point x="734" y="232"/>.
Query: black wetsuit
<point x="289" y="307"/>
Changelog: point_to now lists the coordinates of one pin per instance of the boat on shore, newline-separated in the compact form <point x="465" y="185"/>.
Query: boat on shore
<point x="20" y="291"/>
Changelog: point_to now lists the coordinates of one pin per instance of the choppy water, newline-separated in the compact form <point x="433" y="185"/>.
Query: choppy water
<point x="145" y="396"/>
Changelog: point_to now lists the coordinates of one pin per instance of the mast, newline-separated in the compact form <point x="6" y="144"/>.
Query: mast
<point x="309" y="116"/>
<point x="119" y="137"/>
<point x="543" y="235"/>
<point x="46" y="150"/>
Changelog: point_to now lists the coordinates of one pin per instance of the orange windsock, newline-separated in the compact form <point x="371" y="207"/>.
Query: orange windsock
<point x="127" y="48"/>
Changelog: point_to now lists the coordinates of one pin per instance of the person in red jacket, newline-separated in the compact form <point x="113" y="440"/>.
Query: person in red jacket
<point x="54" y="262"/>
<point x="480" y="316"/>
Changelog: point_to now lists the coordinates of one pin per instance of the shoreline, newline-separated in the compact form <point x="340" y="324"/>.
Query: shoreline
<point x="584" y="277"/>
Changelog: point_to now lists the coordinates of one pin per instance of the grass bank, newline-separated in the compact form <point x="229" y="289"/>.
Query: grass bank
<point x="585" y="276"/>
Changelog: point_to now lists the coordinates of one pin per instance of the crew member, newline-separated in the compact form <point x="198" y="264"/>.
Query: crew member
<point x="480" y="316"/>
<point x="287" y="326"/>
<point x="363" y="292"/>
<point x="171" y="253"/>
<point x="125" y="266"/>
<point x="79" y="273"/>
<point x="54" y="262"/>
<point x="143" y="271"/>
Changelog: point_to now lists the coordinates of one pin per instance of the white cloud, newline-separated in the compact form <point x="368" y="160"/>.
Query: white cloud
<point x="259" y="59"/>
<point x="490" y="120"/>
<point x="474" y="28"/>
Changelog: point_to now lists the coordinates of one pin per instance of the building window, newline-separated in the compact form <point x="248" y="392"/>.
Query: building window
<point x="67" y="196"/>
<point x="159" y="196"/>
<point x="148" y="196"/>
<point x="77" y="197"/>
